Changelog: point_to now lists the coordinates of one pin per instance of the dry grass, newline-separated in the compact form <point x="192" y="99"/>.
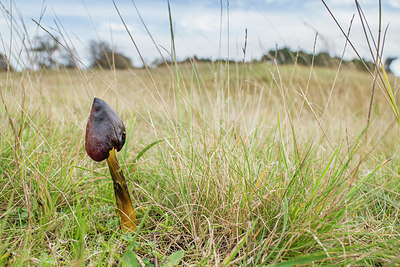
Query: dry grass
<point x="232" y="182"/>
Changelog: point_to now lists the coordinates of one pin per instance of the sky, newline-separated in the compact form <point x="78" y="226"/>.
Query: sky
<point x="205" y="28"/>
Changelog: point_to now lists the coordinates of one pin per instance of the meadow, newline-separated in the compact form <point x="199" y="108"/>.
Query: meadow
<point x="228" y="164"/>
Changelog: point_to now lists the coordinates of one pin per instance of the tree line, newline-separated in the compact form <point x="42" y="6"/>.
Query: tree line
<point x="47" y="53"/>
<point x="285" y="56"/>
<point x="322" y="59"/>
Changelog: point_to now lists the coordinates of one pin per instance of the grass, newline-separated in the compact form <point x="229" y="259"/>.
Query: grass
<point x="274" y="181"/>
<point x="239" y="164"/>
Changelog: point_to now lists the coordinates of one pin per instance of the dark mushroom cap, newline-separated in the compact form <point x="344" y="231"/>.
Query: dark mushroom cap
<point x="104" y="131"/>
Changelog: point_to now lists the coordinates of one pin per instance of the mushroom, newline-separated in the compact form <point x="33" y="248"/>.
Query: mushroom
<point x="105" y="133"/>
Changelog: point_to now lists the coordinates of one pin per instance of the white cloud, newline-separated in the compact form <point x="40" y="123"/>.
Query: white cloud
<point x="394" y="3"/>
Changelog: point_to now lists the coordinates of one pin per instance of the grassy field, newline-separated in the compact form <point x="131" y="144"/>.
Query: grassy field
<point x="256" y="164"/>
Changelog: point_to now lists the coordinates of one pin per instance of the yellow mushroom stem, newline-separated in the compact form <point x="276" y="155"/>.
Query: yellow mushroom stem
<point x="126" y="212"/>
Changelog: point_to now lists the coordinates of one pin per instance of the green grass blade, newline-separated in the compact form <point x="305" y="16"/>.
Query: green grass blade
<point x="302" y="260"/>
<point x="393" y="104"/>
<point x="147" y="148"/>
<point x="282" y="143"/>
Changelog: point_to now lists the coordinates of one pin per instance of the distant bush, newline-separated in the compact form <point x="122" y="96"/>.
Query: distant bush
<point x="103" y="56"/>
<point x="5" y="64"/>
<point x="160" y="62"/>
<point x="360" y="66"/>
<point x="196" y="59"/>
<point x="323" y="59"/>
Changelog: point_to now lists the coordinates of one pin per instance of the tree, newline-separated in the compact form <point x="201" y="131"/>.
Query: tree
<point x="103" y="56"/>
<point x="44" y="50"/>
